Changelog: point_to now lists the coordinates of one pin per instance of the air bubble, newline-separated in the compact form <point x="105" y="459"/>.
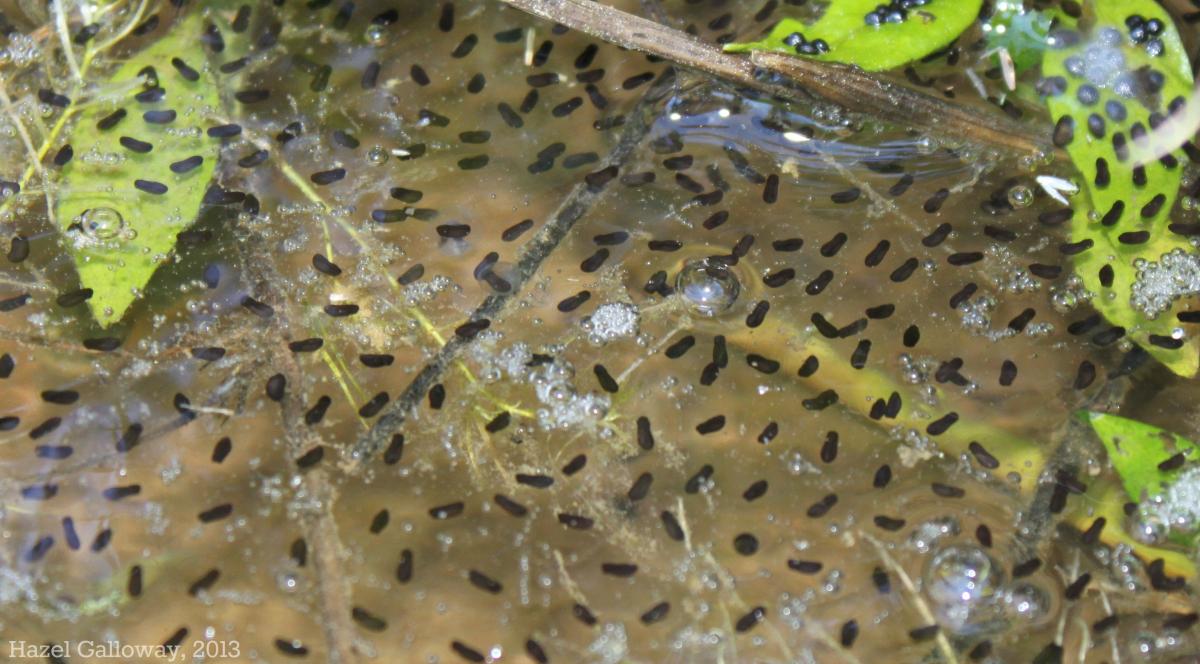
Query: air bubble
<point x="1148" y="527"/>
<point x="963" y="583"/>
<point x="1027" y="604"/>
<point x="377" y="155"/>
<point x="709" y="287"/>
<point x="288" y="582"/>
<point x="1020" y="196"/>
<point x="376" y="34"/>
<point x="102" y="223"/>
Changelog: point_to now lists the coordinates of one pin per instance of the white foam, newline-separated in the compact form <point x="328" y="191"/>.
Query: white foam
<point x="614" y="320"/>
<point x="1160" y="283"/>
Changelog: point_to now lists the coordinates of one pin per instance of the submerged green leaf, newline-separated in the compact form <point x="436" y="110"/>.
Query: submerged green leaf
<point x="1021" y="32"/>
<point x="852" y="40"/>
<point x="1110" y="88"/>
<point x="141" y="167"/>
<point x="1107" y="501"/>
<point x="1148" y="460"/>
<point x="1136" y="449"/>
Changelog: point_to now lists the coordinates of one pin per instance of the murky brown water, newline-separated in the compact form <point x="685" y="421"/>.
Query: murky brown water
<point x="833" y="464"/>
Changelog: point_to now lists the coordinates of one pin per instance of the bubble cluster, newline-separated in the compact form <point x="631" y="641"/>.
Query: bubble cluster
<point x="1160" y="283"/>
<point x="613" y="320"/>
<point x="1174" y="511"/>
<point x="1100" y="64"/>
<point x="563" y="405"/>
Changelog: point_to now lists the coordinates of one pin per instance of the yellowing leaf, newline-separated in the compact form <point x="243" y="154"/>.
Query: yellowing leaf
<point x="1135" y="450"/>
<point x="139" y="172"/>
<point x="852" y="40"/>
<point x="1106" y="501"/>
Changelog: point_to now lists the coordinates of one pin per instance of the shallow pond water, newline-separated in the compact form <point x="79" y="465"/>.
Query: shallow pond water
<point x="497" y="342"/>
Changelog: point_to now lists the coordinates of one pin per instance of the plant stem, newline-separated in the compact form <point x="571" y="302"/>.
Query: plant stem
<point x="132" y="23"/>
<point x="34" y="158"/>
<point x="914" y="595"/>
<point x="64" y="38"/>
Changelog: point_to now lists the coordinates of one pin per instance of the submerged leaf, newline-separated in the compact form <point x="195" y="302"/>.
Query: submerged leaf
<point x="1137" y="449"/>
<point x="141" y="166"/>
<point x="1111" y="92"/>
<point x="1022" y="32"/>
<point x="856" y="33"/>
<point x="1107" y="503"/>
<point x="1147" y="460"/>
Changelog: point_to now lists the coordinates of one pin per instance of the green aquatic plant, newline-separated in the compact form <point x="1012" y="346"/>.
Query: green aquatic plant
<point x="141" y="165"/>
<point x="858" y="32"/>
<point x="1105" y="92"/>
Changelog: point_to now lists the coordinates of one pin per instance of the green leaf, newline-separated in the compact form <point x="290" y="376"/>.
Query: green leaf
<point x="117" y="233"/>
<point x="1135" y="450"/>
<point x="1086" y="150"/>
<point x="874" y="47"/>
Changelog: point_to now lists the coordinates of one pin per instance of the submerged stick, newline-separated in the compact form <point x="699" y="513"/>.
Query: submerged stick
<point x="861" y="91"/>
<point x="847" y="86"/>
<point x="574" y="206"/>
<point x="318" y="525"/>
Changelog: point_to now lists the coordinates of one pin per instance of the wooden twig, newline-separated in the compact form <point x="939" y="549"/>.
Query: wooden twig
<point x="863" y="92"/>
<point x="850" y="87"/>
<point x="914" y="595"/>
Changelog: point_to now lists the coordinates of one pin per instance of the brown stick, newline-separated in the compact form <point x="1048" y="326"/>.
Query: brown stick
<point x="318" y="525"/>
<point x="861" y="91"/>
<point x="850" y="87"/>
